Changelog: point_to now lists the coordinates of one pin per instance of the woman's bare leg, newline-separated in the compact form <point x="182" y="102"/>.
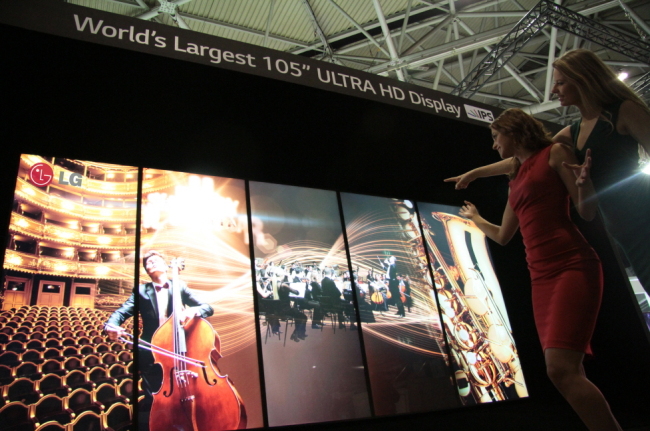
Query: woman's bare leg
<point x="564" y="367"/>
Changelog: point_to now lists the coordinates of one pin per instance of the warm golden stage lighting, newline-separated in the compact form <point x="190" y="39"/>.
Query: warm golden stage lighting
<point x="14" y="260"/>
<point x="194" y="205"/>
<point x="63" y="234"/>
<point x="102" y="270"/>
<point x="67" y="204"/>
<point x="61" y="267"/>
<point x="22" y="223"/>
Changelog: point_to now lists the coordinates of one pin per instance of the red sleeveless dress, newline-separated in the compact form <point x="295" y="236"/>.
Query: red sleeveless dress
<point x="567" y="280"/>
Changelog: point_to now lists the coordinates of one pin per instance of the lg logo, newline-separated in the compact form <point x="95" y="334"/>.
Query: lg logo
<point x="73" y="180"/>
<point x="41" y="175"/>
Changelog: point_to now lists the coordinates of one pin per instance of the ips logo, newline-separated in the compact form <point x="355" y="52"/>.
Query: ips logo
<point x="479" y="114"/>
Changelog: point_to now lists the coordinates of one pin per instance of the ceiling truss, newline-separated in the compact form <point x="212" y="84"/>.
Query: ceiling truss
<point x="543" y="14"/>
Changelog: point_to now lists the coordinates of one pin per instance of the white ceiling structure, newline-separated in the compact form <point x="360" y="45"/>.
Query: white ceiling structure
<point x="432" y="43"/>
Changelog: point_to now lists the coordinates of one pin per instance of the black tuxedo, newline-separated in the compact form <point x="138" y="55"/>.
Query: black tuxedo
<point x="392" y="271"/>
<point x="148" y="304"/>
<point x="332" y="298"/>
<point x="393" y="286"/>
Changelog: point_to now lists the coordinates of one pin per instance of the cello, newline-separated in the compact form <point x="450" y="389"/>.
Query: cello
<point x="402" y="292"/>
<point x="375" y="296"/>
<point x="193" y="396"/>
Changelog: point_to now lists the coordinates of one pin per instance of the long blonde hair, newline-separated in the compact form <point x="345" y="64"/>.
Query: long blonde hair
<point x="525" y="131"/>
<point x="596" y="83"/>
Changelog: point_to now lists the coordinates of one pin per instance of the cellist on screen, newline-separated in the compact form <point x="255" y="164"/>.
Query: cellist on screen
<point x="155" y="306"/>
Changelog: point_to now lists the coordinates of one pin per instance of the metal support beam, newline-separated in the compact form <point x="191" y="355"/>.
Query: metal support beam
<point x="493" y="82"/>
<point x="178" y="19"/>
<point x="317" y="29"/>
<point x="449" y="49"/>
<point x="168" y="7"/>
<point x="572" y="22"/>
<point x="354" y="32"/>
<point x="407" y="15"/>
<point x="437" y="4"/>
<point x="441" y="63"/>
<point x="529" y="26"/>
<point x="389" y="40"/>
<point x="544" y="13"/>
<point x="268" y="23"/>
<point x="447" y="88"/>
<point x="360" y="28"/>
<point x="642" y="85"/>
<point x="551" y="59"/>
<point x="429" y="35"/>
<point x="488" y="38"/>
<point x="636" y="20"/>
<point x="151" y="13"/>
<point x="504" y="14"/>
<point x="541" y="107"/>
<point x="454" y="26"/>
<point x="292" y="42"/>
<point x="510" y="69"/>
<point x="414" y="27"/>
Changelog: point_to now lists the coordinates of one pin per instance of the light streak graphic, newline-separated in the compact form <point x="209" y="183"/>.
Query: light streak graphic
<point x="218" y="265"/>
<point x="368" y="237"/>
<point x="310" y="253"/>
<point x="380" y="233"/>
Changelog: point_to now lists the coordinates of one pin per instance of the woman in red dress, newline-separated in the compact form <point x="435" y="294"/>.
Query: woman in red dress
<point x="565" y="271"/>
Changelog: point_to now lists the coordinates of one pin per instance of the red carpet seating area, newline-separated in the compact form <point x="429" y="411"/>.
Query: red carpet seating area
<point x="58" y="371"/>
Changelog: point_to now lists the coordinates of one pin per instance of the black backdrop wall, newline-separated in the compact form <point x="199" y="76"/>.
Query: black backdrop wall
<point x="78" y="100"/>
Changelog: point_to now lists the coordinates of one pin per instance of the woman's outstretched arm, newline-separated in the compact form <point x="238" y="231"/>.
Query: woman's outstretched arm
<point x="502" y="167"/>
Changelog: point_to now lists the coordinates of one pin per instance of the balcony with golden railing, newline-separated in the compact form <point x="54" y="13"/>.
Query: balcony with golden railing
<point x="72" y="237"/>
<point x="89" y="184"/>
<point x="25" y="262"/>
<point x="115" y="180"/>
<point x="40" y="198"/>
<point x="98" y="187"/>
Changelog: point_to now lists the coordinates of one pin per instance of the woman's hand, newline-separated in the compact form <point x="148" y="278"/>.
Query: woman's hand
<point x="462" y="181"/>
<point x="468" y="210"/>
<point x="582" y="172"/>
